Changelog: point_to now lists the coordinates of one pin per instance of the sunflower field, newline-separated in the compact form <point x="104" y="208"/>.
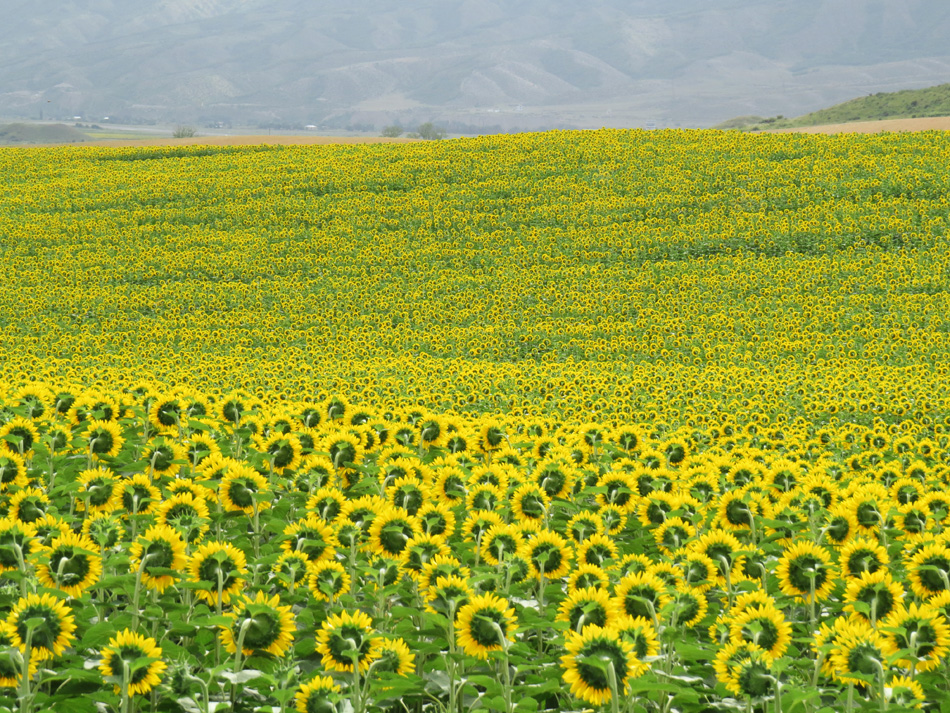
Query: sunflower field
<point x="654" y="422"/>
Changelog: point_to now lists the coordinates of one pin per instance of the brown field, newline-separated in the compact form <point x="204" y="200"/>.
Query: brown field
<point x="940" y="123"/>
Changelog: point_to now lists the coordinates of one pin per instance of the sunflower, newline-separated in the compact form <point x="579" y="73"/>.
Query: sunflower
<point x="744" y="668"/>
<point x="904" y="693"/>
<point x="310" y="536"/>
<point x="598" y="549"/>
<point x="409" y="493"/>
<point x="595" y="657"/>
<point x="221" y="567"/>
<point x="18" y="436"/>
<point x="160" y="548"/>
<point x="548" y="553"/>
<point x="586" y="607"/>
<point x="347" y="639"/>
<point x="621" y="490"/>
<point x="391" y="531"/>
<point x="919" y="631"/>
<point x="266" y="626"/>
<point x="673" y="534"/>
<point x="587" y="575"/>
<point x="421" y="550"/>
<point x="28" y="505"/>
<point x="165" y="414"/>
<point x="71" y="565"/>
<point x="690" y="605"/>
<point x="187" y="514"/>
<point x="764" y="626"/>
<point x="699" y="571"/>
<point x="501" y="542"/>
<point x="125" y="652"/>
<point x="554" y="478"/>
<point x="393" y="656"/>
<point x="447" y="595"/>
<point x="929" y="570"/>
<point x="12" y="471"/>
<point x="165" y="457"/>
<point x="52" y="633"/>
<point x="317" y="696"/>
<point x="840" y="523"/>
<point x="529" y="502"/>
<point x="327" y="504"/>
<point x="437" y="519"/>
<point x="861" y="555"/>
<point x="48" y="528"/>
<point x="98" y="490"/>
<point x="450" y="485"/>
<point x="642" y="635"/>
<point x="858" y="649"/>
<point x="138" y="495"/>
<point x="878" y="592"/>
<point x="328" y="579"/>
<point x="641" y="595"/>
<point x="484" y="497"/>
<point x="583" y="525"/>
<point x="291" y="568"/>
<point x="17" y="542"/>
<point x="803" y="568"/>
<point x="199" y="448"/>
<point x="482" y="623"/>
<point x="441" y="566"/>
<point x="243" y="489"/>
<point x="344" y="449"/>
<point x="10" y="672"/>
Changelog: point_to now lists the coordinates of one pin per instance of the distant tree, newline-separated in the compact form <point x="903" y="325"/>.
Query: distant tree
<point x="392" y="131"/>
<point x="184" y="132"/>
<point x="430" y="132"/>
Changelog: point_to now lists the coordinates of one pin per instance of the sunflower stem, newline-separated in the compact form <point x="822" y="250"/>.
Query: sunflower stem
<point x="26" y="703"/>
<point x="614" y="688"/>
<point x="239" y="658"/>
<point x="136" y="593"/>
<point x="881" y="682"/>
<point x="124" y="706"/>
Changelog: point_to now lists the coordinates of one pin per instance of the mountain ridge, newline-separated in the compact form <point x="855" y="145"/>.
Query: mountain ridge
<point x="477" y="62"/>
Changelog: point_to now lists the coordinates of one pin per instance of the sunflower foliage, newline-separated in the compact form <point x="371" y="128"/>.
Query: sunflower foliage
<point x="615" y="420"/>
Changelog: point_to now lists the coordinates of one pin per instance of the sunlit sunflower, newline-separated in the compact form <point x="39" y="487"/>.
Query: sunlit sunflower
<point x="124" y="655"/>
<point x="621" y="490"/>
<point x="28" y="505"/>
<point x="642" y="594"/>
<point x="904" y="693"/>
<point x="764" y="626"/>
<point x="243" y="489"/>
<point x="583" y="525"/>
<point x="642" y="635"/>
<point x="483" y="624"/>
<point x="598" y="549"/>
<point x="138" y="495"/>
<point x="673" y="534"/>
<point x="347" y="639"/>
<point x="317" y="696"/>
<point x="450" y="485"/>
<point x="328" y="579"/>
<point x="585" y="607"/>
<point x="548" y="553"/>
<point x="878" y="592"/>
<point x="393" y="656"/>
<point x="744" y="668"/>
<point x="920" y="633"/>
<point x="344" y="449"/>
<point x="554" y="478"/>
<point x="858" y="649"/>
<point x="221" y="567"/>
<point x="484" y="497"/>
<point x="804" y="568"/>
<point x="501" y="542"/>
<point x="10" y="671"/>
<point x="185" y="513"/>
<point x="861" y="555"/>
<point x="291" y="570"/>
<point x="165" y="457"/>
<point x="18" y="436"/>
<point x="929" y="570"/>
<point x="587" y="575"/>
<point x="408" y="492"/>
<point x="12" y="471"/>
<point x="590" y="682"/>
<point x="699" y="571"/>
<point x="310" y="536"/>
<point x="71" y="564"/>
<point x="265" y="624"/>
<point x="327" y="504"/>
<point x="161" y="548"/>
<point x="478" y="523"/>
<point x="52" y="622"/>
<point x="441" y="566"/>
<point x="17" y="542"/>
<point x="437" y="519"/>
<point x="719" y="546"/>
<point x="98" y="490"/>
<point x="689" y="606"/>
<point x="199" y="447"/>
<point x="447" y="594"/>
<point x="421" y="550"/>
<point x="391" y="531"/>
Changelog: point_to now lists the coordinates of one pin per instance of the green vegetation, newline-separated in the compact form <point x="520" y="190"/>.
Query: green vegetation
<point x="905" y="104"/>
<point x="40" y="134"/>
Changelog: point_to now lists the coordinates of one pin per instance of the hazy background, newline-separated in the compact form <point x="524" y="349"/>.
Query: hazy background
<point x="471" y="65"/>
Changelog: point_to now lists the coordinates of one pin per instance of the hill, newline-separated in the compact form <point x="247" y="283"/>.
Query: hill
<point x="882" y="106"/>
<point x="24" y="133"/>
<point x="470" y="65"/>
